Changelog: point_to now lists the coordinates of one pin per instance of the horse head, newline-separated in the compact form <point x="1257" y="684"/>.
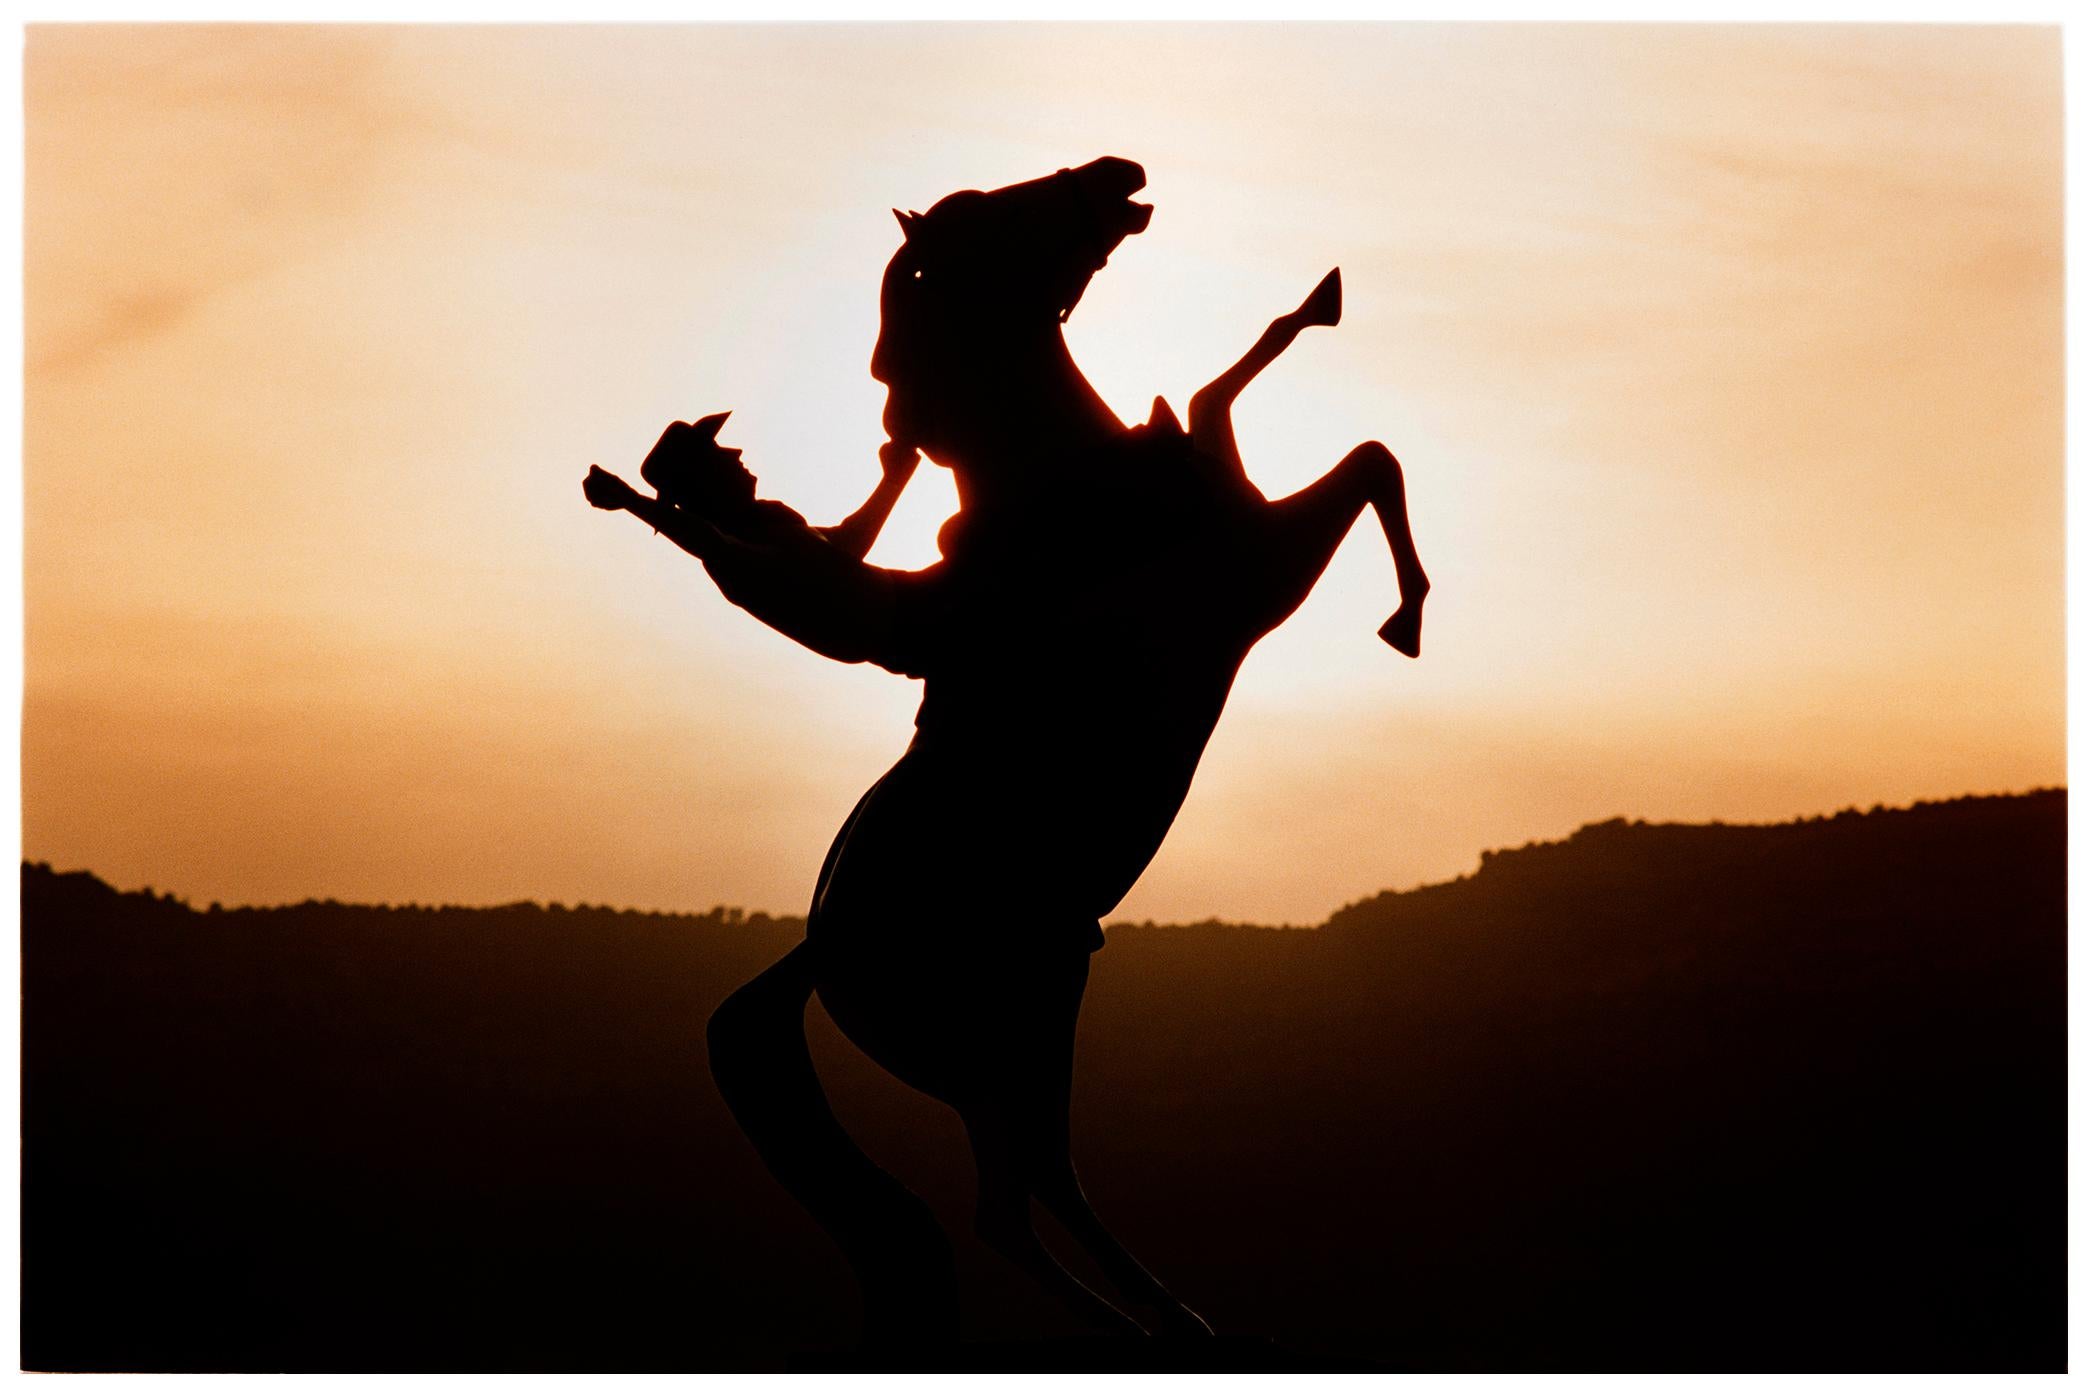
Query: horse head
<point x="986" y="274"/>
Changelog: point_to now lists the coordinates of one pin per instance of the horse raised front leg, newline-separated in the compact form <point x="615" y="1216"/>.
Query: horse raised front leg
<point x="1310" y="524"/>
<point x="1210" y="410"/>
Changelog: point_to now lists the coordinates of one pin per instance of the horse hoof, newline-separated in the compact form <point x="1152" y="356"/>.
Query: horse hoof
<point x="1403" y="632"/>
<point x="1180" y="1323"/>
<point x="1323" y="306"/>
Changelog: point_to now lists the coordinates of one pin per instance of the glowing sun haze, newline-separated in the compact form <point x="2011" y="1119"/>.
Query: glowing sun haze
<point x="1725" y="364"/>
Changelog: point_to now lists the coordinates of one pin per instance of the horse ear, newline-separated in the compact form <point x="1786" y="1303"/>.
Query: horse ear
<point x="907" y="221"/>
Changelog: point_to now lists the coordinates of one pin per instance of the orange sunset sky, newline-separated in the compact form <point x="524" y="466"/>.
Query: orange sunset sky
<point x="1726" y="365"/>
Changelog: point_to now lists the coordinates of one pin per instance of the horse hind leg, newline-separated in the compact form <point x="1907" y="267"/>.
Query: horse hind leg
<point x="1015" y="1102"/>
<point x="1003" y="1145"/>
<point x="1020" y="1142"/>
<point x="763" y="1067"/>
<point x="1057" y="1188"/>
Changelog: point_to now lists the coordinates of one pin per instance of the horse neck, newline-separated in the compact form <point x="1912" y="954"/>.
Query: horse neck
<point x="1035" y="415"/>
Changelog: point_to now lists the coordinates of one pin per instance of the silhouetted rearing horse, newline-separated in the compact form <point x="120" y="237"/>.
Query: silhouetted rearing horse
<point x="1099" y="589"/>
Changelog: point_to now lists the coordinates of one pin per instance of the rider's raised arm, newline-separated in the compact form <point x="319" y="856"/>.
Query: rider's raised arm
<point x="857" y="533"/>
<point x="787" y="576"/>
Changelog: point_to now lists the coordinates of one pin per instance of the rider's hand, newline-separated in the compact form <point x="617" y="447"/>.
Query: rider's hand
<point x="895" y="458"/>
<point x="605" y="490"/>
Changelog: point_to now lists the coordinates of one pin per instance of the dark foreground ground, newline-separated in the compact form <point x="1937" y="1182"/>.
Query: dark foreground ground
<point x="1653" y="1098"/>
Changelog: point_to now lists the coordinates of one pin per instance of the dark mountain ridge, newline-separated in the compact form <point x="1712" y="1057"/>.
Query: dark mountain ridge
<point x="1652" y="1097"/>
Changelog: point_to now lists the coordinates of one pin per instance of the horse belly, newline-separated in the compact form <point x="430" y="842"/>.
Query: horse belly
<point x="951" y="843"/>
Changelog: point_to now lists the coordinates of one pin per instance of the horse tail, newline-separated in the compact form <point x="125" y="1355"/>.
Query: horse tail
<point x="763" y="1066"/>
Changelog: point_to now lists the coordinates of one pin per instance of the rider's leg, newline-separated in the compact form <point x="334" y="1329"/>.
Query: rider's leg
<point x="1311" y="523"/>
<point x="1210" y="410"/>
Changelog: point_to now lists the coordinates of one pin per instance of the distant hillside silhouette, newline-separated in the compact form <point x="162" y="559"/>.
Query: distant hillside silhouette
<point x="1656" y="1097"/>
